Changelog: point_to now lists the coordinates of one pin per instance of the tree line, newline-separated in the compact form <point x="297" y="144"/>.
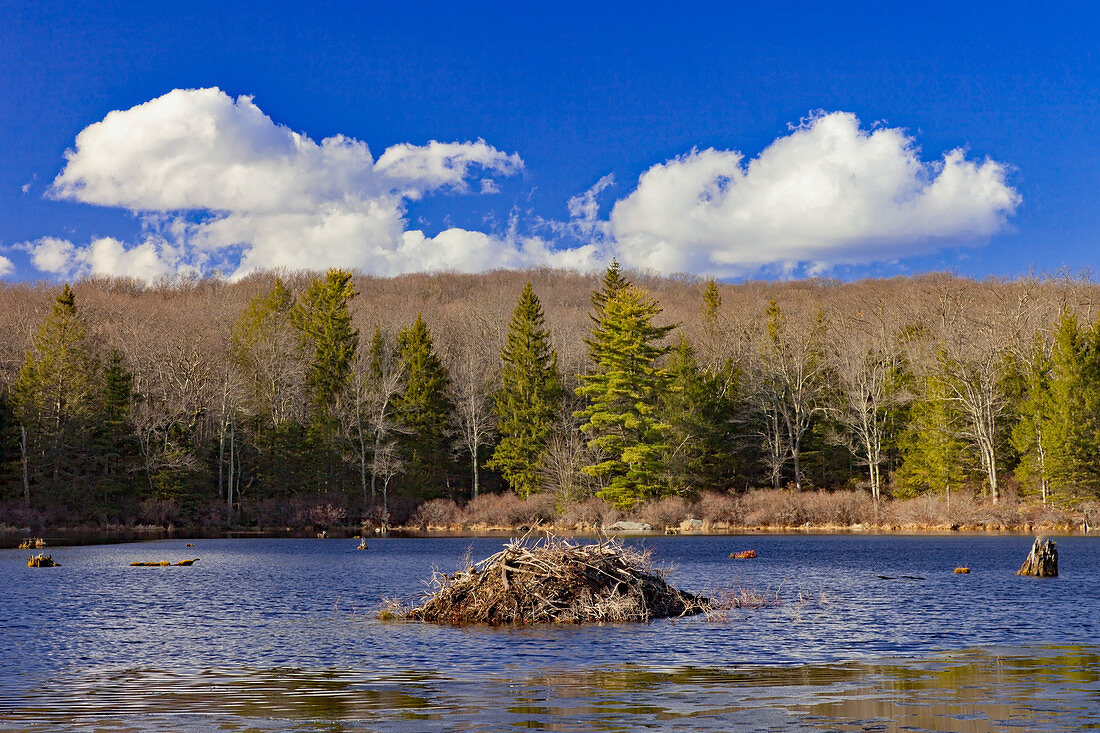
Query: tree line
<point x="347" y="397"/>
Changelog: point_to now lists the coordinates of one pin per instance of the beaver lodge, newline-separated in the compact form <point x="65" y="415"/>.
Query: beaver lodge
<point x="552" y="581"/>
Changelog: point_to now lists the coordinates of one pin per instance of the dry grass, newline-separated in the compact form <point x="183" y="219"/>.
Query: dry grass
<point x="775" y="509"/>
<point x="743" y="598"/>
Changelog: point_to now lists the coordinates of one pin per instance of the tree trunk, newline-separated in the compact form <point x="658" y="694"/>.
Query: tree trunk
<point x="1042" y="561"/>
<point x="476" y="487"/>
<point x="1042" y="455"/>
<point x="26" y="465"/>
<point x="374" y="469"/>
<point x="229" y="483"/>
<point x="221" y="459"/>
<point x="795" y="450"/>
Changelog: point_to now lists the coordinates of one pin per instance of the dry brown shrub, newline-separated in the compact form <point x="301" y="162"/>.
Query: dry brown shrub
<point x="929" y="510"/>
<point x="439" y="513"/>
<point x="666" y="512"/>
<point x="590" y="513"/>
<point x="159" y="511"/>
<point x="774" y="508"/>
<point x="326" y="515"/>
<point x="1002" y="515"/>
<point x="838" y="508"/>
<point x="508" y="511"/>
<point x="716" y="507"/>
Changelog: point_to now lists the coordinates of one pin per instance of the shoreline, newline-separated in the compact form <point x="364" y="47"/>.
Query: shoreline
<point x="75" y="537"/>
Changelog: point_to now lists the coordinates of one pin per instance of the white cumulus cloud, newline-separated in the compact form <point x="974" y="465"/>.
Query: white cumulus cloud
<point x="147" y="261"/>
<point x="219" y="185"/>
<point x="829" y="192"/>
<point x="6" y="266"/>
<point x="277" y="196"/>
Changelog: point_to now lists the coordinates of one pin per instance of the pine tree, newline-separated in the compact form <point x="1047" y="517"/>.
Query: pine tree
<point x="264" y="353"/>
<point x="55" y="397"/>
<point x="712" y="301"/>
<point x="684" y="409"/>
<point x="933" y="456"/>
<point x="422" y="410"/>
<point x="624" y="393"/>
<point x="612" y="283"/>
<point x="1073" y="399"/>
<point x="527" y="402"/>
<point x="267" y="360"/>
<point x="323" y="320"/>
<point x="1031" y="436"/>
<point x="118" y="394"/>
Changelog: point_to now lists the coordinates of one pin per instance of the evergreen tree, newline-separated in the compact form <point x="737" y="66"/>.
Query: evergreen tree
<point x="267" y="358"/>
<point x="624" y="393"/>
<point x="933" y="456"/>
<point x="117" y="441"/>
<point x="56" y="398"/>
<point x="422" y="410"/>
<point x="10" y="438"/>
<point x="114" y="442"/>
<point x="712" y="301"/>
<point x="684" y="410"/>
<point x="323" y="320"/>
<point x="612" y="283"/>
<point x="1032" y="435"/>
<point x="263" y="353"/>
<point x="527" y="402"/>
<point x="1073" y="401"/>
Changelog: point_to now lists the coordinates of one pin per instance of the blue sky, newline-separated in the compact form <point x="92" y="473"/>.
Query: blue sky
<point x="562" y="96"/>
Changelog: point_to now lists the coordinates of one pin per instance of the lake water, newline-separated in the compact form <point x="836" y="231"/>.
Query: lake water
<point x="266" y="634"/>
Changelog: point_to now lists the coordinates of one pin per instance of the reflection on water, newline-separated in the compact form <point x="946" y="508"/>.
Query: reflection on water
<point x="278" y="634"/>
<point x="1040" y="689"/>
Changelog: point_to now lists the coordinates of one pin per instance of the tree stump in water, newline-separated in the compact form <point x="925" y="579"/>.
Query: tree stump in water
<point x="1042" y="561"/>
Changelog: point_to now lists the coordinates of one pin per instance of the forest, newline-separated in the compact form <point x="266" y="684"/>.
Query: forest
<point x="318" y="400"/>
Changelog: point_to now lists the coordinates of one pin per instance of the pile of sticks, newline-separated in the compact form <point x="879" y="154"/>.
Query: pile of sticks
<point x="552" y="581"/>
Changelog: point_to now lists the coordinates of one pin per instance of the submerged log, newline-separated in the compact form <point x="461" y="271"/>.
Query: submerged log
<point x="163" y="563"/>
<point x="1042" y="561"/>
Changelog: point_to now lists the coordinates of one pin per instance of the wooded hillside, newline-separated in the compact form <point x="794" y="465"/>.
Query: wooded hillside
<point x="337" y="397"/>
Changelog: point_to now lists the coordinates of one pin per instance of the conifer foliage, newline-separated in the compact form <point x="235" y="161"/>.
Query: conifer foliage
<point x="57" y="399"/>
<point x="624" y="393"/>
<point x="253" y="402"/>
<point x="323" y="320"/>
<point x="422" y="410"/>
<point x="527" y="403"/>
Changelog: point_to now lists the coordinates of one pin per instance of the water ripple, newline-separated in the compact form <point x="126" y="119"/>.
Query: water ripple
<point x="273" y="634"/>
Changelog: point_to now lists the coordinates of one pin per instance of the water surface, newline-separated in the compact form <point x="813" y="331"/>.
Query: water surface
<point x="278" y="634"/>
